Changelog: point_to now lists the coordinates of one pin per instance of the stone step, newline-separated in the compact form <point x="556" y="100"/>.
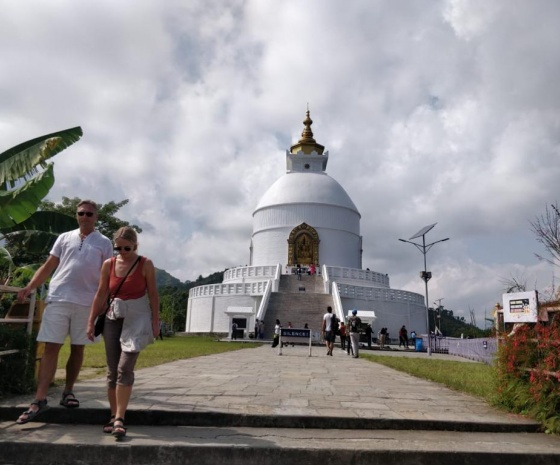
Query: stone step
<point x="39" y="443"/>
<point x="290" y="283"/>
<point x="296" y="308"/>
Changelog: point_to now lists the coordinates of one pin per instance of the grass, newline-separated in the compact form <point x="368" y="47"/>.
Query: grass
<point x="477" y="379"/>
<point x="168" y="350"/>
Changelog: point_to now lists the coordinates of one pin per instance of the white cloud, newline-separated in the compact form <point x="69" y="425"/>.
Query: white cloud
<point x="432" y="112"/>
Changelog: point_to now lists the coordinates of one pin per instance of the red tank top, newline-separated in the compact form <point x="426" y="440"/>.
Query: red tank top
<point x="133" y="287"/>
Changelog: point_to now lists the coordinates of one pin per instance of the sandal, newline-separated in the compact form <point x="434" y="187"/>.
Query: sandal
<point x="119" y="431"/>
<point x="30" y="414"/>
<point x="108" y="428"/>
<point x="69" y="400"/>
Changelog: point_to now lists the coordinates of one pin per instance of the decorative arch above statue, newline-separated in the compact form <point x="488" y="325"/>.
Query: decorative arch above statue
<point x="303" y="245"/>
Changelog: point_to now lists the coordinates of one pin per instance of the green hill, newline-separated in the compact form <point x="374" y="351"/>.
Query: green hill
<point x="453" y="326"/>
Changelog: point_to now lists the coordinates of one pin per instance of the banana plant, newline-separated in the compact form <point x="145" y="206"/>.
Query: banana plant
<point x="26" y="177"/>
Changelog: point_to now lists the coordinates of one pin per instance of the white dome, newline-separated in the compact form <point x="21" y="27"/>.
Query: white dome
<point x="317" y="188"/>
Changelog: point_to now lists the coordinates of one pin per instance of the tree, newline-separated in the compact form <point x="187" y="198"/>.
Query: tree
<point x="20" y="244"/>
<point x="108" y="223"/>
<point x="26" y="177"/>
<point x="547" y="229"/>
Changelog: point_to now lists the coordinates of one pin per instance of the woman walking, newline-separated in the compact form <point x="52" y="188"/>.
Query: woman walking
<point x="132" y="320"/>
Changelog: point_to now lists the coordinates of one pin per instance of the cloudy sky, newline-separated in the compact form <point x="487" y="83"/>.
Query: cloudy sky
<point x="432" y="112"/>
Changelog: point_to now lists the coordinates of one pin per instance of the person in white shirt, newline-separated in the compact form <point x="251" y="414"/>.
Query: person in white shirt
<point x="76" y="260"/>
<point x="328" y="330"/>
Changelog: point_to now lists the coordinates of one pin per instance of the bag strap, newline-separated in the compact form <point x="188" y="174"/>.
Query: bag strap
<point x="123" y="279"/>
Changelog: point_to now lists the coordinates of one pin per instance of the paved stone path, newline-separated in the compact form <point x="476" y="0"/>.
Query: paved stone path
<point x="254" y="406"/>
<point x="260" y="382"/>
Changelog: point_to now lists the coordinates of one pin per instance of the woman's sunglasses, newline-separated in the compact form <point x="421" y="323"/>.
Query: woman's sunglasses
<point x="126" y="248"/>
<point x="88" y="214"/>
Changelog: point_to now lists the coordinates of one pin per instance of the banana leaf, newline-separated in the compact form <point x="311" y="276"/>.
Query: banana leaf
<point x="19" y="204"/>
<point x="38" y="233"/>
<point x="20" y="162"/>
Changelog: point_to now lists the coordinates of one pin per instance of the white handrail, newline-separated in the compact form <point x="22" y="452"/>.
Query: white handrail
<point x="264" y="302"/>
<point x="338" y="310"/>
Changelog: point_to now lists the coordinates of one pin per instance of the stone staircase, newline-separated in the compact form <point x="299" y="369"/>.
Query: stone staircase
<point x="298" y="302"/>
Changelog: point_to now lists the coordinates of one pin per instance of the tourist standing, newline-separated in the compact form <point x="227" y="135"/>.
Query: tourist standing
<point x="382" y="335"/>
<point x="76" y="259"/>
<point x="276" y="338"/>
<point x="328" y="330"/>
<point x="369" y="332"/>
<point x="354" y="323"/>
<point x="403" y="337"/>
<point x="413" y="338"/>
<point x="342" y="331"/>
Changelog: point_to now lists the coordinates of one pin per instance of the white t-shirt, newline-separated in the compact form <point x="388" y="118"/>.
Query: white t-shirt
<point x="76" y="278"/>
<point x="327" y="317"/>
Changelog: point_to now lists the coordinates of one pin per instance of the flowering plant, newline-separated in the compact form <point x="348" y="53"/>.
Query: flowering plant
<point x="528" y="367"/>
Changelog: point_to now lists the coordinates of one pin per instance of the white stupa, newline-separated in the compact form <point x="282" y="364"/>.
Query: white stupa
<point x="305" y="217"/>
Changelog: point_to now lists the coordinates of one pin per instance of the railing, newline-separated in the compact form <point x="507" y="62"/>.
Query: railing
<point x="253" y="288"/>
<point x="480" y="349"/>
<point x="326" y="280"/>
<point x="30" y="313"/>
<point x="338" y="310"/>
<point x="264" y="302"/>
<point x="241" y="273"/>
<point x="17" y="319"/>
<point x="277" y="276"/>
<point x="376" y="293"/>
<point x="339" y="274"/>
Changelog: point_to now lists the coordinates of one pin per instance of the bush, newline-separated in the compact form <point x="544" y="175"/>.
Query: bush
<point x="529" y="372"/>
<point x="17" y="371"/>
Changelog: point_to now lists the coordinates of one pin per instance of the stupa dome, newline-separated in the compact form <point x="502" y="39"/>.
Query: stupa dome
<point x="310" y="188"/>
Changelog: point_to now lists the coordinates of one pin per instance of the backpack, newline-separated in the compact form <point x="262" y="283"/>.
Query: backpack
<point x="334" y="324"/>
<point x="355" y="324"/>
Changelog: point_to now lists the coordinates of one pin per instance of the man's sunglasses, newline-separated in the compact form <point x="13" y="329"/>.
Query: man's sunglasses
<point x="126" y="248"/>
<point x="88" y="214"/>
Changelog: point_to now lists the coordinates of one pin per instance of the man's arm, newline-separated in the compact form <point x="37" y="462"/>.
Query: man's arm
<point x="40" y="276"/>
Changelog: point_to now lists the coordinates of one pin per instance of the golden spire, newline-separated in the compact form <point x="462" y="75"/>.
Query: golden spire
<point x="307" y="143"/>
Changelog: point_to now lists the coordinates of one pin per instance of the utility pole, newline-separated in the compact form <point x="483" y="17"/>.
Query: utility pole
<point x="425" y="275"/>
<point x="437" y="315"/>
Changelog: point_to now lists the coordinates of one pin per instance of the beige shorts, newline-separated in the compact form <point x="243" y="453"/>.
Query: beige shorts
<point x="62" y="319"/>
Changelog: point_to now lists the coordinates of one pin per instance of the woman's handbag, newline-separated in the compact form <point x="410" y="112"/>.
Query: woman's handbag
<point x="100" y="322"/>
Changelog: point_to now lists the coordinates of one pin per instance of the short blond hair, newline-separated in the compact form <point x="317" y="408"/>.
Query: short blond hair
<point x="127" y="233"/>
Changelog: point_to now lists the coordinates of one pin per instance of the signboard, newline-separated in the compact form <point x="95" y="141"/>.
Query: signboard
<point x="520" y="307"/>
<point x="292" y="335"/>
<point x="291" y="332"/>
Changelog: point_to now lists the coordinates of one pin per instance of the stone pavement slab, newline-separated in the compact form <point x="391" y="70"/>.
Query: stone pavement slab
<point x="259" y="382"/>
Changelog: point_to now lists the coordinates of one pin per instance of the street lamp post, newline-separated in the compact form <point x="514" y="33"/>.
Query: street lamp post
<point x="425" y="275"/>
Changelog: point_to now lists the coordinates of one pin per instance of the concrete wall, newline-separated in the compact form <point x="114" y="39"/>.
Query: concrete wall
<point x="338" y="229"/>
<point x="207" y="314"/>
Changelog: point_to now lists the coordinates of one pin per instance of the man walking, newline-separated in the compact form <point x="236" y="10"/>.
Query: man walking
<point x="77" y="257"/>
<point x="353" y="326"/>
<point x="328" y="330"/>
